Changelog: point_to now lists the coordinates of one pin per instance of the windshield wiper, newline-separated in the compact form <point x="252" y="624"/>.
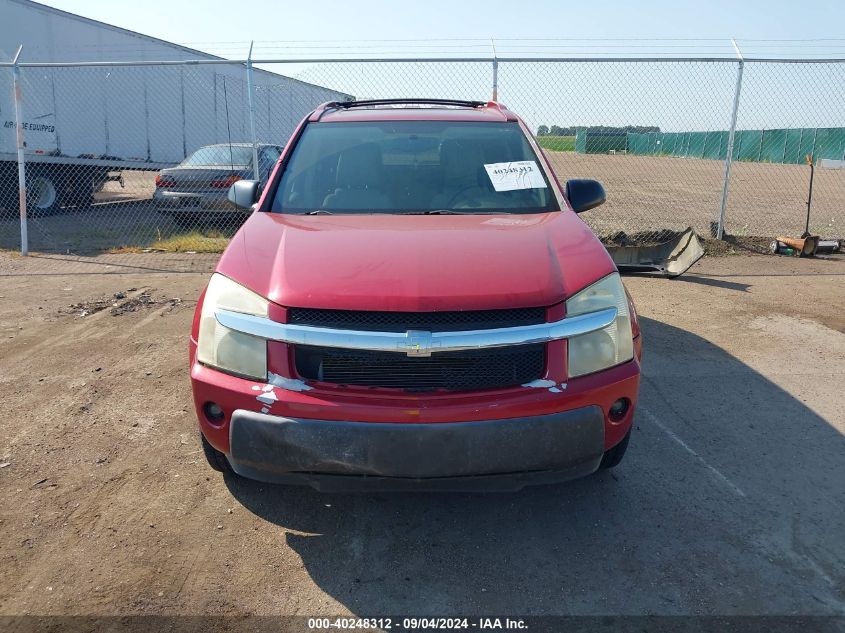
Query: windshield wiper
<point x="440" y="212"/>
<point x="431" y="212"/>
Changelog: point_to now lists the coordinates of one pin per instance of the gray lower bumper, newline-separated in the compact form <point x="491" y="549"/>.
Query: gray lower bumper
<point x="193" y="202"/>
<point x="499" y="454"/>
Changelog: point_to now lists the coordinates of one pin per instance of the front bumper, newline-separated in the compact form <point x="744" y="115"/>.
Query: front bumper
<point x="500" y="454"/>
<point x="318" y="401"/>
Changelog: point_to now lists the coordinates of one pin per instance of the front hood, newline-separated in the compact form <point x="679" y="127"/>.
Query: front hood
<point x="415" y="263"/>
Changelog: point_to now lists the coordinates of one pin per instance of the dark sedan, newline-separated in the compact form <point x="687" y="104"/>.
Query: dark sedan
<point x="195" y="190"/>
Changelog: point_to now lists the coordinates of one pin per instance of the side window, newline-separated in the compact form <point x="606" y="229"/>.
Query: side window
<point x="267" y="159"/>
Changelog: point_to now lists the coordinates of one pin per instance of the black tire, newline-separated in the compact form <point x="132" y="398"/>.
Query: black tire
<point x="613" y="456"/>
<point x="42" y="193"/>
<point x="215" y="458"/>
<point x="77" y="190"/>
<point x="9" y="203"/>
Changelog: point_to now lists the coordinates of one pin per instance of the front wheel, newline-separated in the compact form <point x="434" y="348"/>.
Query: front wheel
<point x="215" y="458"/>
<point x="614" y="455"/>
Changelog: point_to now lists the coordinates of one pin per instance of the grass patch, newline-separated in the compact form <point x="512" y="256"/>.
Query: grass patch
<point x="191" y="241"/>
<point x="557" y="143"/>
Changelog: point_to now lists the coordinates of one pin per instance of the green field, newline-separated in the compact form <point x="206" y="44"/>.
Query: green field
<point x="557" y="143"/>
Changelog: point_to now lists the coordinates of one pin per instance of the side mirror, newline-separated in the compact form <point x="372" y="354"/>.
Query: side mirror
<point x="584" y="194"/>
<point x="244" y="193"/>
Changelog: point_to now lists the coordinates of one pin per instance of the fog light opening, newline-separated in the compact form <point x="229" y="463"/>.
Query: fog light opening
<point x="213" y="412"/>
<point x="618" y="409"/>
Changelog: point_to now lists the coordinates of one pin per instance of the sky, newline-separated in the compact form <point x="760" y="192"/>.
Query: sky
<point x="223" y="26"/>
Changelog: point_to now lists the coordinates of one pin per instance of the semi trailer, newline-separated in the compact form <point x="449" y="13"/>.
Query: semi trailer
<point x="105" y="100"/>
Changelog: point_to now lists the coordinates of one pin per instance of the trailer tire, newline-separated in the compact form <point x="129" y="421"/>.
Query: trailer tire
<point x="8" y="207"/>
<point x="77" y="189"/>
<point x="42" y="194"/>
<point x="9" y="201"/>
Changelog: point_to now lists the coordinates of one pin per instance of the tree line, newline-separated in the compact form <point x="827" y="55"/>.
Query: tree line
<point x="556" y="130"/>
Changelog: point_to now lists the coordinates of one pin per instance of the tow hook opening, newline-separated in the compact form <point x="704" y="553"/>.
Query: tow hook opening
<point x="214" y="413"/>
<point x="619" y="409"/>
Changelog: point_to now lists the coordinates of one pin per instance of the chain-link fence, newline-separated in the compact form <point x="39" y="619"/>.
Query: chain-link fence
<point x="124" y="158"/>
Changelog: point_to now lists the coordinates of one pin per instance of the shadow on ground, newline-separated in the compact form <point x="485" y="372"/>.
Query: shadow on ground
<point x="715" y="283"/>
<point x="730" y="501"/>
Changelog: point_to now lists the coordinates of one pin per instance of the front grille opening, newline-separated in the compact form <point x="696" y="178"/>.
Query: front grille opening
<point x="474" y="370"/>
<point x="380" y="321"/>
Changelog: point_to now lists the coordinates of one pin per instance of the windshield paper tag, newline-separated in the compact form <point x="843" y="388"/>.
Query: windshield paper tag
<point x="522" y="174"/>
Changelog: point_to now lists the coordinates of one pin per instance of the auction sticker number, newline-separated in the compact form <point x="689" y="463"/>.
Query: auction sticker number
<point x="522" y="174"/>
<point x="351" y="624"/>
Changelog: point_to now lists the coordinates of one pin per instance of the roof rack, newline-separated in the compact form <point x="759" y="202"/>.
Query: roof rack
<point x="369" y="102"/>
<point x="345" y="105"/>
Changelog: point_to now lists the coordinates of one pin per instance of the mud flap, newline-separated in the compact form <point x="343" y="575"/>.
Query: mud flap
<point x="671" y="258"/>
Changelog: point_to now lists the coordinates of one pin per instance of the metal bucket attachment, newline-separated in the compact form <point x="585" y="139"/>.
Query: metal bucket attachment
<point x="670" y="258"/>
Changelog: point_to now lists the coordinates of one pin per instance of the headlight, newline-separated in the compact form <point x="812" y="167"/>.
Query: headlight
<point x="225" y="349"/>
<point x="609" y="346"/>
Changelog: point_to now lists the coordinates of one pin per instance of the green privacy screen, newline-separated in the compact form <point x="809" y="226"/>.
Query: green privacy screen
<point x="747" y="144"/>
<point x="773" y="146"/>
<point x="598" y="143"/>
<point x="766" y="146"/>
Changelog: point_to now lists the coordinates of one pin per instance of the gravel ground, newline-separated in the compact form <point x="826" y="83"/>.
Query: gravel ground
<point x="731" y="499"/>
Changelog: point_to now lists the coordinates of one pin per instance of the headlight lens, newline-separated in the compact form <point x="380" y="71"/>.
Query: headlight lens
<point x="609" y="346"/>
<point x="225" y="349"/>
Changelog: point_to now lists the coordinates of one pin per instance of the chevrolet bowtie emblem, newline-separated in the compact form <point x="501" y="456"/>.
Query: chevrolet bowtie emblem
<point x="417" y="343"/>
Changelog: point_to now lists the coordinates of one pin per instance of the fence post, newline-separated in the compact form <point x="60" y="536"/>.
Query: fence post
<point x="495" y="72"/>
<point x="720" y="231"/>
<point x="251" y="90"/>
<point x="18" y="94"/>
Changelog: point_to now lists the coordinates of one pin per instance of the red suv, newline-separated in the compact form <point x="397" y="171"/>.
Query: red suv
<point x="415" y="303"/>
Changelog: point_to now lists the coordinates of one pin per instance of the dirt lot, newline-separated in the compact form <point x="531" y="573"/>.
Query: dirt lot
<point x="731" y="499"/>
<point x="645" y="193"/>
<point x="656" y="192"/>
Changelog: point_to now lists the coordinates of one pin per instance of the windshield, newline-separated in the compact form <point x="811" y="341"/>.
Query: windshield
<point x="216" y="155"/>
<point x="414" y="167"/>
